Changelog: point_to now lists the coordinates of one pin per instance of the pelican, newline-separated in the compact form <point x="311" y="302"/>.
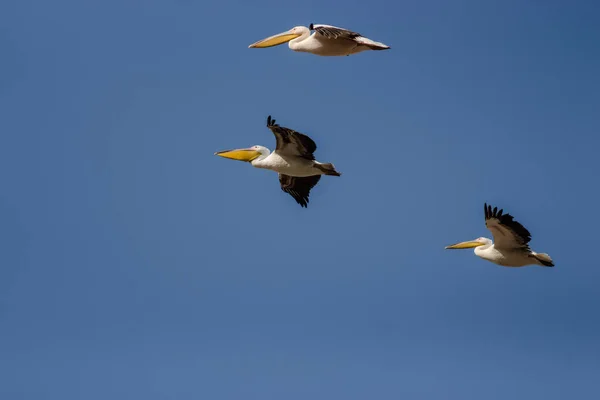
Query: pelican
<point x="510" y="247"/>
<point x="327" y="40"/>
<point x="292" y="158"/>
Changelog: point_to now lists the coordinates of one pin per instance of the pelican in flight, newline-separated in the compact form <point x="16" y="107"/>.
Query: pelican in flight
<point x="510" y="247"/>
<point x="292" y="158"/>
<point x="326" y="40"/>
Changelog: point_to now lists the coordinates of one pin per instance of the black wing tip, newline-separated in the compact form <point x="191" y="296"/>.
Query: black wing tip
<point x="495" y="212"/>
<point x="300" y="192"/>
<point x="311" y="27"/>
<point x="270" y="121"/>
<point x="492" y="212"/>
<point x="303" y="201"/>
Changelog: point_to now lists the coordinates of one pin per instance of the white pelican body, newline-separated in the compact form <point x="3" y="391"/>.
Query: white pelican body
<point x="510" y="247"/>
<point x="326" y="40"/>
<point x="293" y="160"/>
<point x="285" y="164"/>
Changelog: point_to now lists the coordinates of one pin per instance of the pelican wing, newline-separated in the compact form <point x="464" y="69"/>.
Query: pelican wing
<point x="508" y="233"/>
<point x="290" y="142"/>
<point x="333" y="32"/>
<point x="298" y="188"/>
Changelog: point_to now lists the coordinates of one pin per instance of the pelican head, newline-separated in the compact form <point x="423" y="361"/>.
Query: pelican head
<point x="248" y="155"/>
<point x="470" y="244"/>
<point x="281" y="38"/>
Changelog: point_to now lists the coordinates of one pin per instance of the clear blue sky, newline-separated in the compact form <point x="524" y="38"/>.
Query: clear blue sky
<point x="137" y="265"/>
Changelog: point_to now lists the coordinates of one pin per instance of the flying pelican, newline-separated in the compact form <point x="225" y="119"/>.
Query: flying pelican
<point x="510" y="247"/>
<point x="327" y="40"/>
<point x="292" y="158"/>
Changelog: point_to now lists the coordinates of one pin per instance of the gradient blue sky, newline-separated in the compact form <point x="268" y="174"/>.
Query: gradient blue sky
<point x="136" y="264"/>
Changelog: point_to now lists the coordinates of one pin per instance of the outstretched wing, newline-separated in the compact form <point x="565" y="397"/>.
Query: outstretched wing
<point x="290" y="142"/>
<point x="298" y="188"/>
<point x="333" y="32"/>
<point x="508" y="233"/>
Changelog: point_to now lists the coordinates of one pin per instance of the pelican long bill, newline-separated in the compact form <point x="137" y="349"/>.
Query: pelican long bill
<point x="275" y="40"/>
<point x="465" y="245"/>
<point x="246" y="155"/>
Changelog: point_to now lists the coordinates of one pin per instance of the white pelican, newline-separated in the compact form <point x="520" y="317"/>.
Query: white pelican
<point x="327" y="40"/>
<point x="510" y="247"/>
<point x="292" y="158"/>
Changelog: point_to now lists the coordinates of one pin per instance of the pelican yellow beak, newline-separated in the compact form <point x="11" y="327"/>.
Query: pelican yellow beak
<point x="239" y="154"/>
<point x="465" y="245"/>
<point x="275" y="40"/>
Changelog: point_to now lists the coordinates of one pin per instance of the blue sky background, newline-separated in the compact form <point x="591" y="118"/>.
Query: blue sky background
<point x="136" y="264"/>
